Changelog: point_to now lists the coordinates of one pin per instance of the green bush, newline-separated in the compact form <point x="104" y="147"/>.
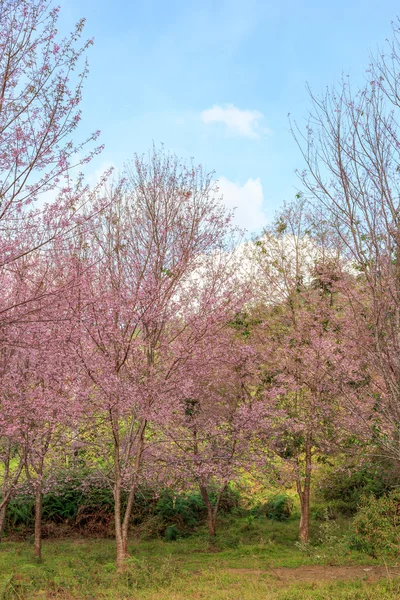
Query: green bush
<point x="77" y="499"/>
<point x="188" y="511"/>
<point x="62" y="507"/>
<point x="171" y="533"/>
<point x="318" y="511"/>
<point x="183" y="511"/>
<point x="375" y="528"/>
<point x="342" y="489"/>
<point x="278" y="507"/>
<point x="227" y="538"/>
<point x="230" y="501"/>
<point x="332" y="510"/>
<point x="152" y="527"/>
<point x="20" y="512"/>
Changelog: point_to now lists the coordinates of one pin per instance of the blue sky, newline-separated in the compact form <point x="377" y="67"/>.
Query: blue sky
<point x="215" y="80"/>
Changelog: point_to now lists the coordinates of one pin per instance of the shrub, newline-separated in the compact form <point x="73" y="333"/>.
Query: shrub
<point x="152" y="527"/>
<point x="230" y="500"/>
<point x="320" y="511"/>
<point x="279" y="507"/>
<point x="60" y="507"/>
<point x="375" y="528"/>
<point x="183" y="511"/>
<point x="343" y="489"/>
<point x="79" y="499"/>
<point x="227" y="539"/>
<point x="171" y="533"/>
<point x="329" y="534"/>
<point x="20" y="512"/>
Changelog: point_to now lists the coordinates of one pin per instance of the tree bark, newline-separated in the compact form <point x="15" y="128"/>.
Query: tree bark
<point x="38" y="521"/>
<point x="121" y="551"/>
<point x="10" y="481"/>
<point x="132" y="490"/>
<point x="4" y="495"/>
<point x="212" y="512"/>
<point x="304" y="494"/>
<point x="120" y="546"/>
<point x="304" y="528"/>
<point x="3" y="512"/>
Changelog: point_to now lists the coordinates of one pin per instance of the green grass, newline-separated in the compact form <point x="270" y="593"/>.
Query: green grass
<point x="83" y="569"/>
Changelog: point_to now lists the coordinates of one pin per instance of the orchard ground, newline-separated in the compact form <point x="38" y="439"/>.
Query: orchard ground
<point x="251" y="558"/>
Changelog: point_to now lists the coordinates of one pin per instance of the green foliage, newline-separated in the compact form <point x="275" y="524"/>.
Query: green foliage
<point x="69" y="501"/>
<point x="171" y="533"/>
<point x="101" y="496"/>
<point x="230" y="501"/>
<point x="228" y="539"/>
<point x="185" y="512"/>
<point x="279" y="507"/>
<point x="20" y="511"/>
<point x="243" y="323"/>
<point x="60" y="508"/>
<point x="343" y="489"/>
<point x="144" y="505"/>
<point x="329" y="534"/>
<point x="88" y="507"/>
<point x="334" y="509"/>
<point x="152" y="527"/>
<point x="375" y="528"/>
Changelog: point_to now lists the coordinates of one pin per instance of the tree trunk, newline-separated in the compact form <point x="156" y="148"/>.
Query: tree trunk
<point x="132" y="490"/>
<point x="3" y="511"/>
<point x="212" y="512"/>
<point x="10" y="481"/>
<point x="121" y="550"/>
<point x="120" y="546"/>
<point x="5" y="495"/>
<point x="38" y="521"/>
<point x="304" y="528"/>
<point x="117" y="491"/>
<point x="211" y="520"/>
<point x="304" y="494"/>
<point x="125" y="522"/>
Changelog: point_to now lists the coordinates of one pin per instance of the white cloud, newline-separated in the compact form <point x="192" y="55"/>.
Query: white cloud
<point x="245" y="123"/>
<point x="247" y="200"/>
<point x="95" y="177"/>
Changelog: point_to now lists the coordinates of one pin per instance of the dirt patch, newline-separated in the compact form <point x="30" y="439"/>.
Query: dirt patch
<point x="323" y="573"/>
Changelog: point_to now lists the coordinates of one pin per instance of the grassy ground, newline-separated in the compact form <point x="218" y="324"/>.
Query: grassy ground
<point x="252" y="560"/>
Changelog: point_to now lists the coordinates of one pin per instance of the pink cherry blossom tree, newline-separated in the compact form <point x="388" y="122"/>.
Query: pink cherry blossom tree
<point x="41" y="83"/>
<point x="162" y="280"/>
<point x="306" y="357"/>
<point x="37" y="406"/>
<point x="40" y="93"/>
<point x="209" y="440"/>
<point x="39" y="112"/>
